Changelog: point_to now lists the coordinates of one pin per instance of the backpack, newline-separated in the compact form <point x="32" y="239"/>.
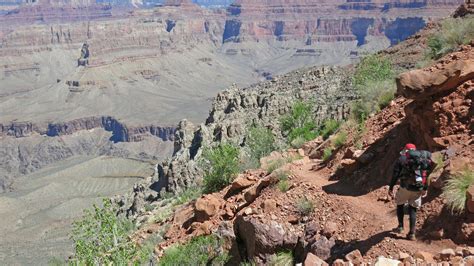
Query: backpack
<point x="418" y="165"/>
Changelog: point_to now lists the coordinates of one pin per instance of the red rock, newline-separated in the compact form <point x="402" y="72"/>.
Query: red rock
<point x="355" y="257"/>
<point x="330" y="229"/>
<point x="206" y="207"/>
<point x="338" y="262"/>
<point x="424" y="256"/>
<point x="313" y="260"/>
<point x="447" y="254"/>
<point x="184" y="216"/>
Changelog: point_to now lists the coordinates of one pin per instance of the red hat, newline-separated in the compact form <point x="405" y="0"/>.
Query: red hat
<point x="410" y="146"/>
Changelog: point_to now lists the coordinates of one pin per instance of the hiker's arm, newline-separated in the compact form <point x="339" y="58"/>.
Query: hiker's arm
<point x="395" y="175"/>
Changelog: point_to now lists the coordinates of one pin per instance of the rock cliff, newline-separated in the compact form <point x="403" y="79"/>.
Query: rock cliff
<point x="233" y="112"/>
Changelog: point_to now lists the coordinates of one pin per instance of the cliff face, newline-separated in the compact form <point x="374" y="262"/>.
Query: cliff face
<point x="330" y="21"/>
<point x="120" y="132"/>
<point x="233" y="112"/>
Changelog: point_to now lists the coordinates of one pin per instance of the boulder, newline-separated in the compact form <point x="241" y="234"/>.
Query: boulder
<point x="264" y="237"/>
<point x="382" y="261"/>
<point x="349" y="165"/>
<point x="447" y="254"/>
<point x="254" y="191"/>
<point x="206" y="207"/>
<point x="321" y="247"/>
<point x="313" y="260"/>
<point x="329" y="229"/>
<point x="241" y="182"/>
<point x="424" y="256"/>
<point x="365" y="158"/>
<point x="423" y="83"/>
<point x="184" y="216"/>
<point x="355" y="257"/>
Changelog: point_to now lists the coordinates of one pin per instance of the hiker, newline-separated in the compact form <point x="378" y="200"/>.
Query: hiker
<point x="412" y="168"/>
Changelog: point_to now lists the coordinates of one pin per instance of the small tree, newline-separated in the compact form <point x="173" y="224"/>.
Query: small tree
<point x="102" y="238"/>
<point x="260" y="142"/>
<point x="299" y="122"/>
<point x="221" y="165"/>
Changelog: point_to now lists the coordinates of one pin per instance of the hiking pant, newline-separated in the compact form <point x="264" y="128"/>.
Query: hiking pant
<point x="404" y="196"/>
<point x="413" y="198"/>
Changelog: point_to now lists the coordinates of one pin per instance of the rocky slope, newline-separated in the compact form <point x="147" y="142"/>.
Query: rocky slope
<point x="234" y="111"/>
<point x="352" y="217"/>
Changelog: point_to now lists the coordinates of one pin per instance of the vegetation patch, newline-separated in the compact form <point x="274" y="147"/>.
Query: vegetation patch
<point x="455" y="190"/>
<point x="327" y="153"/>
<point x="283" y="184"/>
<point x="374" y="81"/>
<point x="102" y="238"/>
<point x="328" y="128"/>
<point x="453" y="33"/>
<point x="340" y="139"/>
<point x="202" y="250"/>
<point x="220" y="165"/>
<point x="260" y="142"/>
<point x="283" y="258"/>
<point x="299" y="122"/>
<point x="305" y="206"/>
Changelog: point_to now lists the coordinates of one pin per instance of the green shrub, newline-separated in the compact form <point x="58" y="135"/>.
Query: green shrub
<point x="221" y="165"/>
<point x="385" y="98"/>
<point x="282" y="177"/>
<point x="329" y="127"/>
<point x="260" y="142"/>
<point x="102" y="238"/>
<point x="282" y="259"/>
<point x="438" y="160"/>
<point x="455" y="190"/>
<point x="375" y="84"/>
<point x="276" y="164"/>
<point x="299" y="122"/>
<point x="327" y="153"/>
<point x="202" y="250"/>
<point x="340" y="139"/>
<point x="305" y="206"/>
<point x="298" y="142"/>
<point x="453" y="33"/>
<point x="283" y="185"/>
<point x="372" y="68"/>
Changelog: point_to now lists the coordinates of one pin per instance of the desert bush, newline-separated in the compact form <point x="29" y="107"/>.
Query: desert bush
<point x="202" y="250"/>
<point x="340" y="139"/>
<point x="276" y="164"/>
<point x="305" y="206"/>
<point x="375" y="84"/>
<point x="299" y="122"/>
<point x="221" y="165"/>
<point x="453" y="33"/>
<point x="328" y="128"/>
<point x="455" y="190"/>
<point x="101" y="238"/>
<point x="282" y="177"/>
<point x="284" y="258"/>
<point x="327" y="153"/>
<point x="260" y="143"/>
<point x="298" y="142"/>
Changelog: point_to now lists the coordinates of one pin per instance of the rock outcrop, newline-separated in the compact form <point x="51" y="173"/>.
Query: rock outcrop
<point x="234" y="111"/>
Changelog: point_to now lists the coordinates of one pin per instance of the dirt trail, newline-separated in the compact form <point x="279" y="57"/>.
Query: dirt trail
<point x="376" y="239"/>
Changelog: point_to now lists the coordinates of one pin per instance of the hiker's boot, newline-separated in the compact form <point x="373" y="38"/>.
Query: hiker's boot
<point x="398" y="230"/>
<point x="412" y="213"/>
